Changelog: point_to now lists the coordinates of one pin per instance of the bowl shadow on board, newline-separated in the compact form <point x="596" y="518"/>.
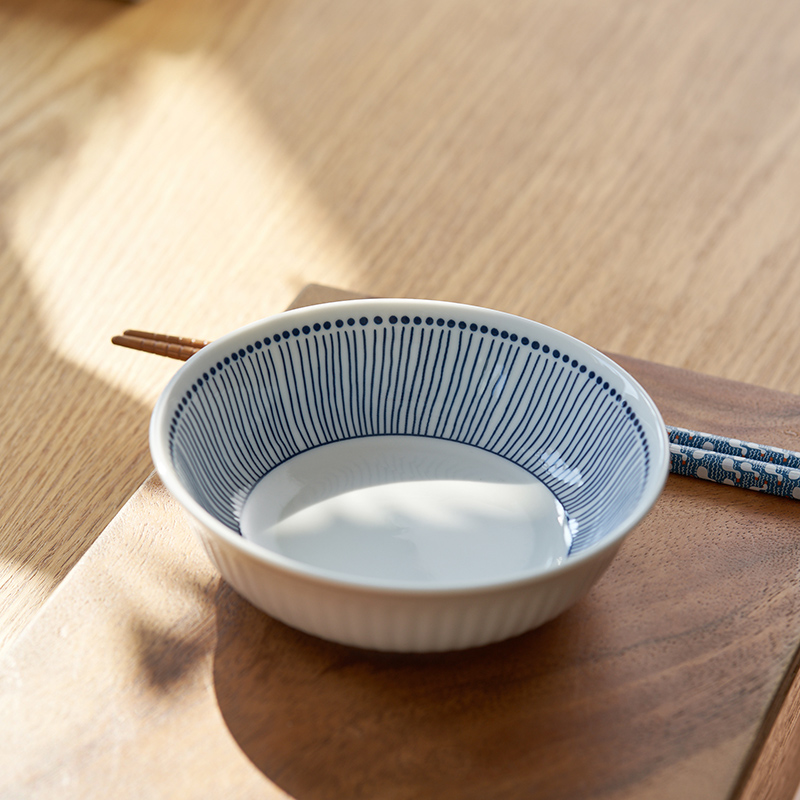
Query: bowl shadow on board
<point x="323" y="720"/>
<point x="624" y="686"/>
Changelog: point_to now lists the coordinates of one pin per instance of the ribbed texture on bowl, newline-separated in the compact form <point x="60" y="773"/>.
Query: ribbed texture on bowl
<point x="402" y="622"/>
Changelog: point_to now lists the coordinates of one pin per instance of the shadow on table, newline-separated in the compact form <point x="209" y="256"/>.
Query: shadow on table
<point x="62" y="483"/>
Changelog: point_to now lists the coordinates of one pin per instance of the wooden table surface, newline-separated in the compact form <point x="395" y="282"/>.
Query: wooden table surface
<point x="626" y="172"/>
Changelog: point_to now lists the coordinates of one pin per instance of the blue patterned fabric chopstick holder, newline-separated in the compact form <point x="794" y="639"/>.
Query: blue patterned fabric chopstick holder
<point x="734" y="462"/>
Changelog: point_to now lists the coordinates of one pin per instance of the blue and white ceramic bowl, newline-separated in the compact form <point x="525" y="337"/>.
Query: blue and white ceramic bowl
<point x="405" y="474"/>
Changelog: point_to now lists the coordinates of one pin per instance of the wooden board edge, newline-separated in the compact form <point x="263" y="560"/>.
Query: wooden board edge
<point x="317" y="294"/>
<point x="773" y="770"/>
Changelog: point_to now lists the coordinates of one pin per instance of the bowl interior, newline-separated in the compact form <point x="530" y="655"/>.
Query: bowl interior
<point x="388" y="374"/>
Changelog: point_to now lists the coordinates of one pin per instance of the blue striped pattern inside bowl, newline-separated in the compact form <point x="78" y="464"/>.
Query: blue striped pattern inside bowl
<point x="532" y="396"/>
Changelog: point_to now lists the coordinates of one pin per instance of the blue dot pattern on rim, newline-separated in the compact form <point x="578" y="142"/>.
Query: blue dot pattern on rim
<point x="506" y="394"/>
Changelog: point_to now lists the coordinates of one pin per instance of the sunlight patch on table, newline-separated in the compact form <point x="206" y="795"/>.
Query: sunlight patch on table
<point x="182" y="179"/>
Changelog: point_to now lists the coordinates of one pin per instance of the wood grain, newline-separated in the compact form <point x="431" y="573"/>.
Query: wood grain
<point x="146" y="673"/>
<point x="627" y="172"/>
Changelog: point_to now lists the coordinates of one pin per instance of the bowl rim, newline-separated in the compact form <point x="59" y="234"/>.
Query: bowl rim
<point x="181" y="380"/>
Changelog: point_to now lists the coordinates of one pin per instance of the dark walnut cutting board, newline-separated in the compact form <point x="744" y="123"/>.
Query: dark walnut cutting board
<point x="146" y="676"/>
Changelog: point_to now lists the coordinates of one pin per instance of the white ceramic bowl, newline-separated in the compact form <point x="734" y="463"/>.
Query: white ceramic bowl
<point x="405" y="474"/>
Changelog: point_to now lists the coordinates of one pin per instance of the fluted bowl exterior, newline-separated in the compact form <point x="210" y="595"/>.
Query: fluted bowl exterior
<point x="300" y="380"/>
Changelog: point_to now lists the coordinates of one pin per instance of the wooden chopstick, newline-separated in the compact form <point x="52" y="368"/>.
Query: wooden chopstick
<point x="184" y="341"/>
<point x="178" y="347"/>
<point x="693" y="454"/>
